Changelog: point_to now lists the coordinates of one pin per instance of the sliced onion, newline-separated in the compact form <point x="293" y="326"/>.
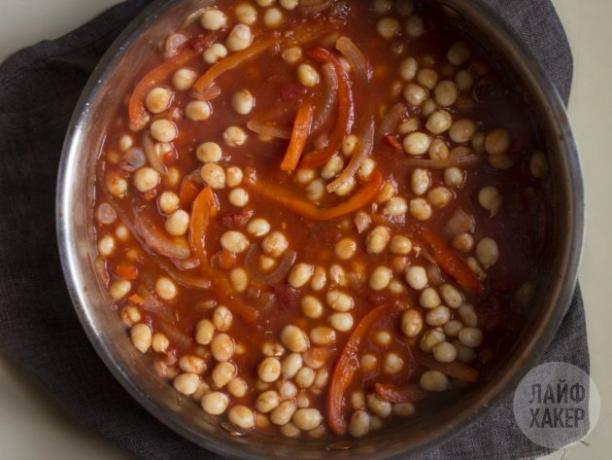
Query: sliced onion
<point x="187" y="264"/>
<point x="106" y="214"/>
<point x="159" y="243"/>
<point x="210" y="93"/>
<point x="277" y="275"/>
<point x="460" y="222"/>
<point x="184" y="279"/>
<point x="364" y="129"/>
<point x="392" y="118"/>
<point x="152" y="304"/>
<point x="101" y="270"/>
<point x="314" y="6"/>
<point x="434" y="274"/>
<point x="330" y="94"/>
<point x="175" y="335"/>
<point x="150" y="151"/>
<point x="266" y="129"/>
<point x="173" y="43"/>
<point x="133" y="159"/>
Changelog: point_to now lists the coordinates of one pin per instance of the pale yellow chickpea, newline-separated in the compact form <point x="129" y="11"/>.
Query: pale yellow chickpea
<point x="308" y="76"/>
<point x="258" y="227"/>
<point x="158" y="99"/>
<point x="295" y="339"/>
<point x="186" y="383"/>
<point x="238" y="197"/>
<point x="315" y="190"/>
<point x="412" y="323"/>
<point x="392" y="363"/>
<point x="215" y="403"/>
<point x="454" y="177"/>
<point x="246" y="13"/>
<point x="497" y="142"/>
<point x="342" y="322"/>
<point x="445" y="352"/>
<point x="213" y="175"/>
<point x="322" y="336"/>
<point x="141" y="337"/>
<point x="345" y="248"/>
<point x="237" y="387"/>
<point x="119" y="289"/>
<point x="378" y="239"/>
<point x="420" y="209"/>
<point x="349" y="144"/>
<point x="432" y="380"/>
<point x="292" y="55"/>
<point x="311" y="307"/>
<point x="130" y="315"/>
<point x="267" y="401"/>
<point x="416" y="143"/>
<point x="439" y="197"/>
<point x="205" y="331"/>
<point x="163" y="130"/>
<point x="400" y="245"/>
<point x="462" y="131"/>
<point x="359" y="424"/>
<point x="213" y="19"/>
<point x="269" y="370"/>
<point x="209" y="152"/>
<point x="125" y="142"/>
<point x="414" y="27"/>
<point x="198" y="110"/>
<point x="366" y="169"/>
<point x="222" y="347"/>
<point x="368" y="362"/>
<point x="388" y="28"/>
<point x="273" y="18"/>
<point x="243" y="102"/>
<point x="332" y="168"/>
<point x="146" y="179"/>
<point x="242" y="417"/>
<point x="414" y="94"/>
<point x="184" y="78"/>
<point x="430" y="339"/>
<point x="283" y="413"/>
<point x="378" y="406"/>
<point x="487" y="252"/>
<point x="177" y="223"/>
<point x="235" y="136"/>
<point x="106" y="245"/>
<point x="214" y="53"/>
<point x="490" y="199"/>
<point x="445" y="93"/>
<point x="380" y="278"/>
<point x="239" y="279"/>
<point x="459" y="54"/>
<point x="168" y="202"/>
<point x="428" y="78"/>
<point x="307" y="419"/>
<point x="396" y="206"/>
<point x="470" y="337"/>
<point x="339" y="301"/>
<point x="275" y="244"/>
<point x="300" y="275"/>
<point x="233" y="176"/>
<point x="408" y="69"/>
<point x="416" y="277"/>
<point x="439" y="122"/>
<point x="165" y="288"/>
<point x="451" y="295"/>
<point x="438" y="316"/>
<point x="538" y="165"/>
<point x="420" y="181"/>
<point x="429" y="298"/>
<point x="234" y="241"/>
<point x="464" y="80"/>
<point x="347" y="187"/>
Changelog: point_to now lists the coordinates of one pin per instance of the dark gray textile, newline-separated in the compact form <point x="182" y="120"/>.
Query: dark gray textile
<point x="39" y="87"/>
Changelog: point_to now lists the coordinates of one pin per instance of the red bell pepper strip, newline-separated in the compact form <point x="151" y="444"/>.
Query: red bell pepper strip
<point x="188" y="191"/>
<point x="301" y="130"/>
<point x="305" y="208"/>
<point x="347" y="366"/>
<point x="396" y="394"/>
<point x="205" y="207"/>
<point x="449" y="261"/>
<point x="136" y="109"/>
<point x="346" y="109"/>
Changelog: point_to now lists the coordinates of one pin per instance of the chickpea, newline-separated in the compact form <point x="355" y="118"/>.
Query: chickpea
<point x="438" y="316"/>
<point x="305" y="377"/>
<point x="414" y="94"/>
<point x="439" y="121"/>
<point x="451" y="295"/>
<point x="119" y="289"/>
<point x="106" y="245"/>
<point x="213" y="19"/>
<point x="408" y="69"/>
<point x="366" y="169"/>
<point x="198" y="110"/>
<point x="388" y="28"/>
<point x="490" y="199"/>
<point x="290" y="430"/>
<point x="158" y="99"/>
<point x="429" y="298"/>
<point x="130" y="315"/>
<point x="454" y="177"/>
<point x="377" y="240"/>
<point x="168" y="202"/>
<point x="246" y="13"/>
<point x="163" y="130"/>
<point x="463" y="242"/>
<point x="237" y="387"/>
<point x="184" y="78"/>
<point x="283" y="413"/>
<point x="214" y="53"/>
<point x="462" y="130"/>
<point x="380" y="278"/>
<point x="215" y="403"/>
<point x="273" y="18"/>
<point x="434" y="381"/>
<point x="287" y="389"/>
<point x="470" y="337"/>
<point x="439" y="197"/>
<point x="459" y="54"/>
<point x="223" y="373"/>
<point x="415" y="27"/>
<point x="233" y="176"/>
<point x="378" y="406"/>
<point x="238" y="197"/>
<point x="117" y="186"/>
<point x="332" y="168"/>
<point x="403" y="409"/>
<point x="222" y="318"/>
<point x="234" y="241"/>
<point x="445" y="93"/>
<point x="420" y="181"/>
<point x="209" y="152"/>
<point x="359" y="425"/>
<point x="452" y="328"/>
<point x="345" y="248"/>
<point x="205" y="331"/>
<point x="416" y="143"/>
<point x="412" y="323"/>
<point x="396" y="206"/>
<point x="165" y="288"/>
<point x="319" y="279"/>
<point x="141" y="336"/>
<point x="186" y="383"/>
<point x="416" y="277"/>
<point x="267" y="401"/>
<point x="292" y="55"/>
<point x="242" y="417"/>
<point x="339" y="301"/>
<point x="291" y="365"/>
<point x="346" y="188"/>
<point x="125" y="143"/>
<point x="269" y="370"/>
<point x="487" y="252"/>
<point x="239" y="38"/>
<point x="392" y="363"/>
<point x="243" y="102"/>
<point x="464" y="354"/>
<point x="342" y="322"/>
<point x="177" y="223"/>
<point x="464" y="80"/>
<point x="315" y="190"/>
<point x="239" y="279"/>
<point x="468" y="315"/>
<point x="322" y="335"/>
<point x="428" y="107"/>
<point x="430" y="339"/>
<point x="349" y="144"/>
<point x="295" y="339"/>
<point x="427" y="78"/>
<point x="445" y="352"/>
<point x="358" y="400"/>
<point x="497" y="142"/>
<point x="307" y="419"/>
<point x="146" y="179"/>
<point x="420" y="209"/>
<point x="368" y="362"/>
<point x="258" y="227"/>
<point x="538" y="165"/>
<point x="234" y="136"/>
<point x="311" y="307"/>
<point x="275" y="244"/>
<point x="222" y="347"/>
<point x="289" y="4"/>
<point x="300" y="275"/>
<point x="502" y="161"/>
<point x="308" y="76"/>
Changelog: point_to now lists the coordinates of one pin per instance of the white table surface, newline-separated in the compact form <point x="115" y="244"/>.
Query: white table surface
<point x="34" y="427"/>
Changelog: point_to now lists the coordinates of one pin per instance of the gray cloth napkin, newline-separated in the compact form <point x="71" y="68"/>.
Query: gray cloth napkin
<point x="39" y="87"/>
